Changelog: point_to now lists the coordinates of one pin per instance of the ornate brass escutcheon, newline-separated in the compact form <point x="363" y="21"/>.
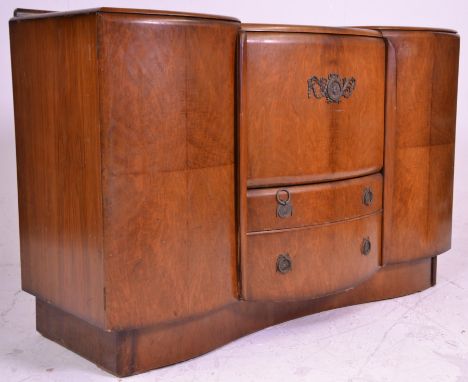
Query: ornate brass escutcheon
<point x="284" y="208"/>
<point x="332" y="88"/>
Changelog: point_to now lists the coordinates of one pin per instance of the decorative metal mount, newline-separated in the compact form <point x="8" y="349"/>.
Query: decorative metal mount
<point x="332" y="88"/>
<point x="367" y="196"/>
<point x="284" y="208"/>
<point x="283" y="263"/>
<point x="365" y="246"/>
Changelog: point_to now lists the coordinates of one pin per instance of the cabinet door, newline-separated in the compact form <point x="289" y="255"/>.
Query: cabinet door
<point x="422" y="77"/>
<point x="167" y="90"/>
<point x="311" y="106"/>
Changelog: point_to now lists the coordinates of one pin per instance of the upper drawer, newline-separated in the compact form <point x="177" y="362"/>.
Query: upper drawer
<point x="292" y="207"/>
<point x="311" y="107"/>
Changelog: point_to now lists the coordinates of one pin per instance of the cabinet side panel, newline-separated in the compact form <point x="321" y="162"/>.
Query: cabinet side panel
<point x="54" y="68"/>
<point x="167" y="95"/>
<point x="422" y="80"/>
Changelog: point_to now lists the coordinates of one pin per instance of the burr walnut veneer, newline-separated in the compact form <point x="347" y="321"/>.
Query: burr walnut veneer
<point x="184" y="180"/>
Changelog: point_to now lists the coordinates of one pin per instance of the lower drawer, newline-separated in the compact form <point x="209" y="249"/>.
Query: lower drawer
<point x="306" y="263"/>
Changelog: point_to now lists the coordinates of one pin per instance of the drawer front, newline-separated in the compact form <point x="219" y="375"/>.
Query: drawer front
<point x="323" y="260"/>
<point x="311" y="107"/>
<point x="299" y="206"/>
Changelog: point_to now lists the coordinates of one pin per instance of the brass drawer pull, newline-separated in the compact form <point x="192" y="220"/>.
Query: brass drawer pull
<point x="366" y="246"/>
<point x="283" y="263"/>
<point x="367" y="196"/>
<point x="284" y="208"/>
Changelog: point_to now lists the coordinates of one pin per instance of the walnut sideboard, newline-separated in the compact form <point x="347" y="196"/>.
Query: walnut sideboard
<point x="185" y="179"/>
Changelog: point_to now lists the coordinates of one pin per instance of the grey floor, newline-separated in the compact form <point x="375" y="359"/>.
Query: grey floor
<point x="422" y="337"/>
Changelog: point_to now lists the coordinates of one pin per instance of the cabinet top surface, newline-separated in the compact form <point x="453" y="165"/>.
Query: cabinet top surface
<point x="20" y="14"/>
<point x="283" y="28"/>
<point x="408" y="29"/>
<point x="373" y="31"/>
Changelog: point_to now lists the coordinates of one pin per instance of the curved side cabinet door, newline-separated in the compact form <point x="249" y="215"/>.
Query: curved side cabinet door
<point x="421" y="100"/>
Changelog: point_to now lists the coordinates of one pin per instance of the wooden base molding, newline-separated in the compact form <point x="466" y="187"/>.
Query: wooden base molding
<point x="128" y="352"/>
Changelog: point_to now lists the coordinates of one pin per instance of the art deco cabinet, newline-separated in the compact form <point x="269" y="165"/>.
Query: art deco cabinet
<point x="184" y="179"/>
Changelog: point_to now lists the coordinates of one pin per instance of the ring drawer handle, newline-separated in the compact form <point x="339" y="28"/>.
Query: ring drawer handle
<point x="284" y="207"/>
<point x="367" y="196"/>
<point x="366" y="246"/>
<point x="283" y="263"/>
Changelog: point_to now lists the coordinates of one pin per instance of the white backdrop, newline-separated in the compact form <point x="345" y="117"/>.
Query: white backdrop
<point x="418" y="338"/>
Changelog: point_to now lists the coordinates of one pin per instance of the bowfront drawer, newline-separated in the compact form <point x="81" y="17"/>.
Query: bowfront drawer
<point x="299" y="206"/>
<point x="306" y="263"/>
<point x="311" y="107"/>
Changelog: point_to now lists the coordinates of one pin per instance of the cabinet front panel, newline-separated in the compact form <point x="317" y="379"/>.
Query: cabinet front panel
<point x="311" y="107"/>
<point x="167" y="95"/>
<point x="422" y="81"/>
<point x="311" y="262"/>
<point x="298" y="206"/>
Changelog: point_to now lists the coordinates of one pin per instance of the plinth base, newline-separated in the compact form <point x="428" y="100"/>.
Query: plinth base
<point x="128" y="352"/>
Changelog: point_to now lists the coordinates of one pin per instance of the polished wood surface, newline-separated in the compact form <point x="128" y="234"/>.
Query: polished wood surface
<point x="407" y="29"/>
<point x="313" y="204"/>
<point x="325" y="259"/>
<point x="422" y="73"/>
<point x="111" y="224"/>
<point x="54" y="67"/>
<point x="150" y="149"/>
<point x="37" y="14"/>
<point x="307" y="139"/>
<point x="22" y="12"/>
<point x="355" y="31"/>
<point x="168" y="166"/>
<point x="130" y="352"/>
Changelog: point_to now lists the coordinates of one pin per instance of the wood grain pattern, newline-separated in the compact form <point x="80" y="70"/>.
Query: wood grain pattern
<point x="38" y="14"/>
<point x="168" y="167"/>
<point x="420" y="140"/>
<point x="309" y="140"/>
<point x="130" y="352"/>
<point x="407" y="29"/>
<point x="110" y="242"/>
<point x="55" y="82"/>
<point x="313" y="204"/>
<point x="325" y="259"/>
<point x="355" y="31"/>
<point x="147" y="179"/>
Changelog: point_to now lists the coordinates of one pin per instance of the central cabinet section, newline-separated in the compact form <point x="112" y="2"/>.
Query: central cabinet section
<point x="311" y="137"/>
